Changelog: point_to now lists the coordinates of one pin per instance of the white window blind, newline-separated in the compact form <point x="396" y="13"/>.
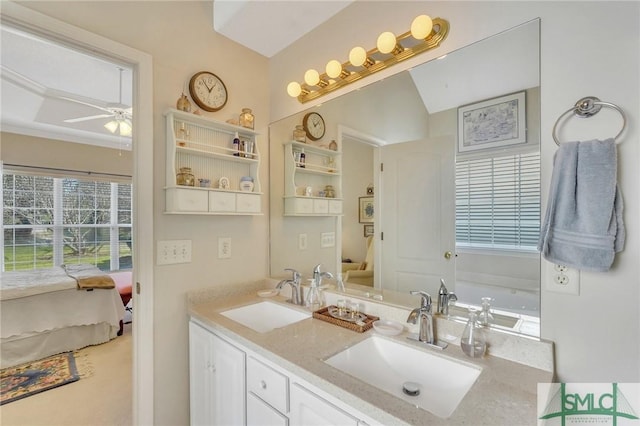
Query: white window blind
<point x="48" y="221"/>
<point x="498" y="202"/>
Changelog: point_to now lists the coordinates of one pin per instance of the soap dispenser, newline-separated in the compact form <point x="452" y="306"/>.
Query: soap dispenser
<point x="473" y="342"/>
<point x="315" y="298"/>
<point x="485" y="314"/>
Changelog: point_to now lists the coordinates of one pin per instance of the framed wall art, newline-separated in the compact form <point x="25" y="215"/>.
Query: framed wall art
<point x="368" y="230"/>
<point x="493" y="123"/>
<point x="366" y="209"/>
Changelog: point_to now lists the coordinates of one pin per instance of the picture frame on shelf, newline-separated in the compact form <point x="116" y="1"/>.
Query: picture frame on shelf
<point x="365" y="208"/>
<point x="493" y="123"/>
<point x="368" y="230"/>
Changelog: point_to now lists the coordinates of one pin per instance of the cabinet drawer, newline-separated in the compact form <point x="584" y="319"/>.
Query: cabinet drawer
<point x="271" y="386"/>
<point x="298" y="205"/>
<point x="335" y="206"/>
<point x="321" y="206"/>
<point x="222" y="202"/>
<point x="186" y="200"/>
<point x="259" y="413"/>
<point x="248" y="203"/>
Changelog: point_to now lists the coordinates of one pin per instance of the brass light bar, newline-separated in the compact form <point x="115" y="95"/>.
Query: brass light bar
<point x="351" y="73"/>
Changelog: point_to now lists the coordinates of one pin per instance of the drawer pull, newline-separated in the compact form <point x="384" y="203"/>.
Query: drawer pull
<point x="263" y="384"/>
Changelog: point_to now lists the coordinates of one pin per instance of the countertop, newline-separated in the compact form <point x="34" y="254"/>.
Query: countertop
<point x="505" y="393"/>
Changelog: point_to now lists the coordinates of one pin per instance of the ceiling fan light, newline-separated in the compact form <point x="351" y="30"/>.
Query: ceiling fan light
<point x="111" y="126"/>
<point x="125" y="128"/>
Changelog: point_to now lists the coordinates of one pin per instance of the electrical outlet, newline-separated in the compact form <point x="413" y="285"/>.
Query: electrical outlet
<point x="173" y="251"/>
<point x="302" y="241"/>
<point x="562" y="279"/>
<point x="224" y="248"/>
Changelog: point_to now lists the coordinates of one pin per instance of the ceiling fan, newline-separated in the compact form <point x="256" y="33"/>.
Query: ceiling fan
<point x="121" y="116"/>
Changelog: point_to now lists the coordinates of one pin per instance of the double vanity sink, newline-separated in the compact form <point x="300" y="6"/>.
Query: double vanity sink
<point x="434" y="383"/>
<point x="391" y="378"/>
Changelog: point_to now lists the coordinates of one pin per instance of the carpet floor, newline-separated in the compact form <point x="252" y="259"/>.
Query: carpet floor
<point x="103" y="398"/>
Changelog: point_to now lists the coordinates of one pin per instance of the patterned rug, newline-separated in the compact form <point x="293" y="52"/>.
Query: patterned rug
<point x="34" y="377"/>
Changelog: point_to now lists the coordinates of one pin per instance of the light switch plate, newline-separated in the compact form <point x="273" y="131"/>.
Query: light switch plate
<point x="302" y="241"/>
<point x="224" y="248"/>
<point x="173" y="251"/>
<point x="327" y="239"/>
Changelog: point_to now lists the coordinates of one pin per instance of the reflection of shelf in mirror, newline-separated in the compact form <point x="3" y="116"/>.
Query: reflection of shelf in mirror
<point x="316" y="170"/>
<point x="206" y="153"/>
<point x="313" y="148"/>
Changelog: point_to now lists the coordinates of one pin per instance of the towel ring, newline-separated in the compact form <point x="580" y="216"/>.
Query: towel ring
<point x="587" y="107"/>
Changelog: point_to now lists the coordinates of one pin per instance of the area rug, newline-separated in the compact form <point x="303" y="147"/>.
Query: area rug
<point x="34" y="377"/>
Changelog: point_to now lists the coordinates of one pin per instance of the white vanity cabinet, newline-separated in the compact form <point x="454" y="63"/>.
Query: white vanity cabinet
<point x="274" y="396"/>
<point x="303" y="185"/>
<point x="206" y="147"/>
<point x="216" y="379"/>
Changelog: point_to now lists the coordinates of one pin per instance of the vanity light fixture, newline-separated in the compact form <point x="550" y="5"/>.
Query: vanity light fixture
<point x="425" y="34"/>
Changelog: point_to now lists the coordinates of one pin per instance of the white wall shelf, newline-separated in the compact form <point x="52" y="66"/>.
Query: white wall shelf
<point x="206" y="146"/>
<point x="322" y="167"/>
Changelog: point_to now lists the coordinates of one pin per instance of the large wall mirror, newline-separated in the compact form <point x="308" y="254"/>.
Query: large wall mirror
<point x="467" y="213"/>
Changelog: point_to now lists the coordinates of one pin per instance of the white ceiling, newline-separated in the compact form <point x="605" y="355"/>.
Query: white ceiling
<point x="44" y="83"/>
<point x="267" y="27"/>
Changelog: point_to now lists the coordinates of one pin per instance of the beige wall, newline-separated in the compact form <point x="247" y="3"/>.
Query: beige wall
<point x="39" y="152"/>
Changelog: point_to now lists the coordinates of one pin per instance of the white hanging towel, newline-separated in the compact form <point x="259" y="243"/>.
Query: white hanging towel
<point x="583" y="226"/>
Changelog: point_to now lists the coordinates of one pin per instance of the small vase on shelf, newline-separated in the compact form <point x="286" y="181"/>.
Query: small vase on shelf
<point x="246" y="118"/>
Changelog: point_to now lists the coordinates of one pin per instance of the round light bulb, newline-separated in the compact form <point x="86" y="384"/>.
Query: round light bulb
<point x="421" y="27"/>
<point x="294" y="89"/>
<point x="333" y="69"/>
<point x="311" y="77"/>
<point x="386" y="42"/>
<point x="357" y="56"/>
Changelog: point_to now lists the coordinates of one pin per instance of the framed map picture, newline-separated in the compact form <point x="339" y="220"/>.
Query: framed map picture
<point x="366" y="210"/>
<point x="492" y="123"/>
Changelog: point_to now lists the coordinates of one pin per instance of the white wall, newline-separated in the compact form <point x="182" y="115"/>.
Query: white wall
<point x="587" y="48"/>
<point x="180" y="37"/>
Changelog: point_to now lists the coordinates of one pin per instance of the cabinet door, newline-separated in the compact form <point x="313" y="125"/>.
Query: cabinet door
<point x="222" y="201"/>
<point x="228" y="388"/>
<point x="186" y="200"/>
<point x="200" y="374"/>
<point x="217" y="379"/>
<point x="335" y="206"/>
<point x="321" y="206"/>
<point x="248" y="203"/>
<point x="308" y="409"/>
<point x="259" y="413"/>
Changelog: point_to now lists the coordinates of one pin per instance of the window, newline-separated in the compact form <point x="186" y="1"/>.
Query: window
<point x="498" y="202"/>
<point x="49" y="221"/>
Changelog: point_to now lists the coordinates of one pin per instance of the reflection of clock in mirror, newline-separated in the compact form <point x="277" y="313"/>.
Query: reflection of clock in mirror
<point x="208" y="91"/>
<point x="314" y="126"/>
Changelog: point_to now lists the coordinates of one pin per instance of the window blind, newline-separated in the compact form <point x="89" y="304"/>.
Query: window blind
<point x="498" y="202"/>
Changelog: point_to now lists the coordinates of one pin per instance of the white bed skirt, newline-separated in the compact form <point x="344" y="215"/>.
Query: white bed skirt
<point x="33" y="346"/>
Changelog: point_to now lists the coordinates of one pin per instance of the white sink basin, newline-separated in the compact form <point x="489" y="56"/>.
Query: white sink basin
<point x="265" y="316"/>
<point x="388" y="365"/>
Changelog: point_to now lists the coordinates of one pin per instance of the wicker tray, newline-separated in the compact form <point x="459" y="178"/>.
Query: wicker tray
<point x="324" y="315"/>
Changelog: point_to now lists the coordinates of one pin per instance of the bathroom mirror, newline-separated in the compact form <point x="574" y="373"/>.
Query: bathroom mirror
<point x="400" y="121"/>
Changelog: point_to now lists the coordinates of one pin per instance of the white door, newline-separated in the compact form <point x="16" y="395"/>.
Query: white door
<point x="417" y="215"/>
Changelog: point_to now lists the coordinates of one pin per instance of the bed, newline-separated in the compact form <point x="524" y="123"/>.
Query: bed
<point x="48" y="311"/>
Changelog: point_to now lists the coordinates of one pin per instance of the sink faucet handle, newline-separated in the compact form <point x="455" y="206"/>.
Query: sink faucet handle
<point x="295" y="274"/>
<point x="425" y="302"/>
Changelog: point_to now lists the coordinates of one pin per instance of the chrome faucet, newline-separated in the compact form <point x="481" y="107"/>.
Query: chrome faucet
<point x="296" y="290"/>
<point x="317" y="275"/>
<point x="444" y="298"/>
<point x="423" y="316"/>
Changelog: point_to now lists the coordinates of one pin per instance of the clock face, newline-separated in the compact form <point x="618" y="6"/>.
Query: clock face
<point x="208" y="91"/>
<point x="314" y="126"/>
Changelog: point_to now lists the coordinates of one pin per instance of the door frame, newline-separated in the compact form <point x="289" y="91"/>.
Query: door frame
<point x="141" y="62"/>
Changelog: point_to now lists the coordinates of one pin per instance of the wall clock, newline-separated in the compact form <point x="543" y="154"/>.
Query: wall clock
<point x="208" y="91"/>
<point x="313" y="125"/>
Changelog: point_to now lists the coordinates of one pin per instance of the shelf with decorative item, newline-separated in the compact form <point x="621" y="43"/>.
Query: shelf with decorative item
<point x="206" y="148"/>
<point x="306" y="181"/>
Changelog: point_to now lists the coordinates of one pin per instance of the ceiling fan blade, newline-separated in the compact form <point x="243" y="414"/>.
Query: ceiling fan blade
<point x="91" y="117"/>
<point x="85" y="103"/>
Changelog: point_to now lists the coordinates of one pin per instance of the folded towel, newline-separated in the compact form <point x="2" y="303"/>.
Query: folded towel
<point x="583" y="225"/>
<point x="88" y="276"/>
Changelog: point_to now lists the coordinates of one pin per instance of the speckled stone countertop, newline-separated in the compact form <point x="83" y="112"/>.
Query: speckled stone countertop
<point x="505" y="393"/>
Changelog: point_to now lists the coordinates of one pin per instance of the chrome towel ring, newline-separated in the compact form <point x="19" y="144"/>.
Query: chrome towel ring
<point x="587" y="107"/>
